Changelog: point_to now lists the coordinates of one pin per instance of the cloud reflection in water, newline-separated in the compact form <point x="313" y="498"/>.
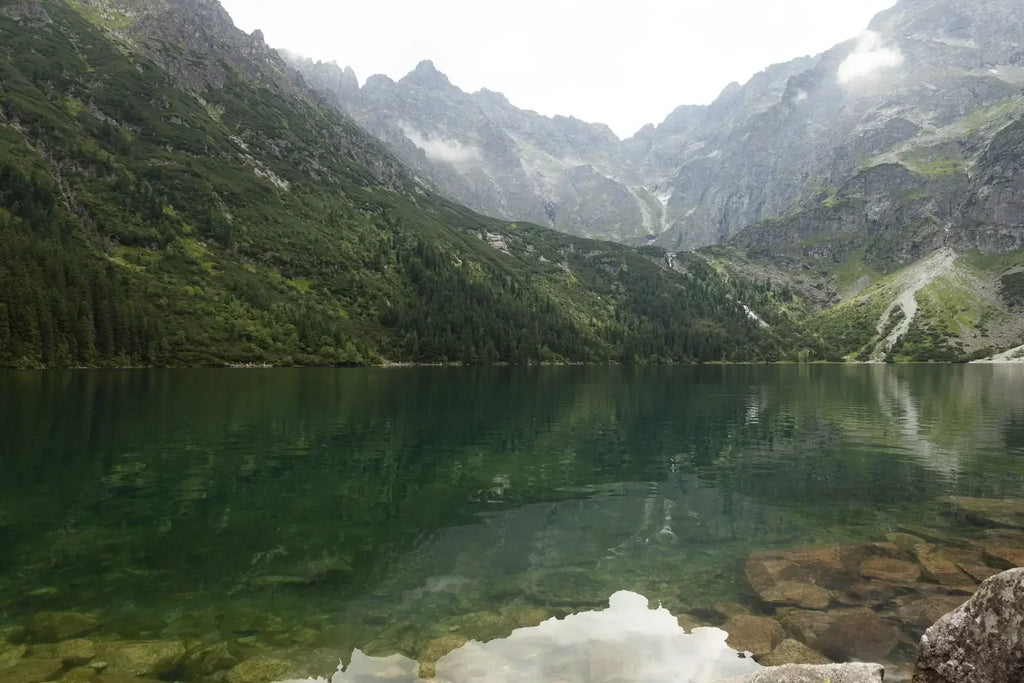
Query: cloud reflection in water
<point x="626" y="642"/>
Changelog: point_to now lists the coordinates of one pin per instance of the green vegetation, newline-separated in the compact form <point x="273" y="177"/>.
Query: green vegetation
<point x="138" y="229"/>
<point x="935" y="163"/>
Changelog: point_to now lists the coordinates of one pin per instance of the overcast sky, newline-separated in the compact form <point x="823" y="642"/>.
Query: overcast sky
<point x="623" y="63"/>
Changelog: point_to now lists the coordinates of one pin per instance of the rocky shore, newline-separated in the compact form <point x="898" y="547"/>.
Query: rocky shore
<point x="901" y="599"/>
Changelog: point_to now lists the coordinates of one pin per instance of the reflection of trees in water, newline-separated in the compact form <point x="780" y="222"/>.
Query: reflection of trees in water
<point x="347" y="471"/>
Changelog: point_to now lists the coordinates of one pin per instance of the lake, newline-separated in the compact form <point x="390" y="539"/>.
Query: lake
<point x="305" y="513"/>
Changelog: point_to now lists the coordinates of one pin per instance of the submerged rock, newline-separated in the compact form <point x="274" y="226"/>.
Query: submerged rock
<point x="888" y="569"/>
<point x="208" y="660"/>
<point x="259" y="670"/>
<point x="1006" y="557"/>
<point x="53" y="627"/>
<point x="75" y="652"/>
<point x="143" y="658"/>
<point x="905" y="542"/>
<point x="989" y="511"/>
<point x="924" y="610"/>
<point x="32" y="671"/>
<point x="980" y="641"/>
<point x="757" y="635"/>
<point x="804" y="595"/>
<point x="859" y="635"/>
<point x="791" y="651"/>
<point x="939" y="566"/>
<point x="806" y="673"/>
<point x="10" y="654"/>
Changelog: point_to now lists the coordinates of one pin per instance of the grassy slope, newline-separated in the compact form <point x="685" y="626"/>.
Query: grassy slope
<point x="143" y="225"/>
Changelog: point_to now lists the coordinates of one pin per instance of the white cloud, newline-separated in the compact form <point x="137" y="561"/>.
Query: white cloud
<point x="868" y="59"/>
<point x="442" y="149"/>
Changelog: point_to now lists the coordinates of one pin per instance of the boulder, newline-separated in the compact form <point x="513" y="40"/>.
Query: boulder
<point x="141" y="658"/>
<point x="859" y="635"/>
<point x="989" y="511"/>
<point x="980" y="641"/>
<point x="259" y="670"/>
<point x="806" y="673"/>
<point x="758" y="635"/>
<point x="53" y="627"/>
<point x="888" y="569"/>
<point x="791" y="651"/>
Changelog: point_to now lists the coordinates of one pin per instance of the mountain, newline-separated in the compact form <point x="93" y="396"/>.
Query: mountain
<point x="173" y="193"/>
<point x="925" y="89"/>
<point x="881" y="181"/>
<point x="483" y="152"/>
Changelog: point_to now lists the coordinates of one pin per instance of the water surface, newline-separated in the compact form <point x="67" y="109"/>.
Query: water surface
<point x="324" y="510"/>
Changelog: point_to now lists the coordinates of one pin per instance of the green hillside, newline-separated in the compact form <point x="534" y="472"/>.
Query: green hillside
<point x="142" y="223"/>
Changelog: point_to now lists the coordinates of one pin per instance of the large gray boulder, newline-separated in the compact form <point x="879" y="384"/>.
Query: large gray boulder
<point x="807" y="673"/>
<point x="982" y="640"/>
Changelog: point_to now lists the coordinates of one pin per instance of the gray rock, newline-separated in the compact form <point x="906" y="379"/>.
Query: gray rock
<point x="982" y="640"/>
<point x="811" y="673"/>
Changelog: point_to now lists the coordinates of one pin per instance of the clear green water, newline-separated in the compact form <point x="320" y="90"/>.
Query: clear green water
<point x="330" y="509"/>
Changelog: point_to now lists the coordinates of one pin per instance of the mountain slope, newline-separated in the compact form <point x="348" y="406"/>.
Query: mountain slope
<point x="173" y="194"/>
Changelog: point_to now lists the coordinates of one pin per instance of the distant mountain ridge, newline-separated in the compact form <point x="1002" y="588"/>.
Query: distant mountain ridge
<point x="927" y="74"/>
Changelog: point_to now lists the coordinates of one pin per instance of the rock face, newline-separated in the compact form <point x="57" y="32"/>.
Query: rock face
<point x="982" y="640"/>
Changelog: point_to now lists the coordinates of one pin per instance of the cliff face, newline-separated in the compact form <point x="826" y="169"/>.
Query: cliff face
<point x="927" y="87"/>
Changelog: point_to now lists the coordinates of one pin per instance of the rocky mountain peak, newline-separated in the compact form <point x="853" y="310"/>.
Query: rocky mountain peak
<point x="426" y="75"/>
